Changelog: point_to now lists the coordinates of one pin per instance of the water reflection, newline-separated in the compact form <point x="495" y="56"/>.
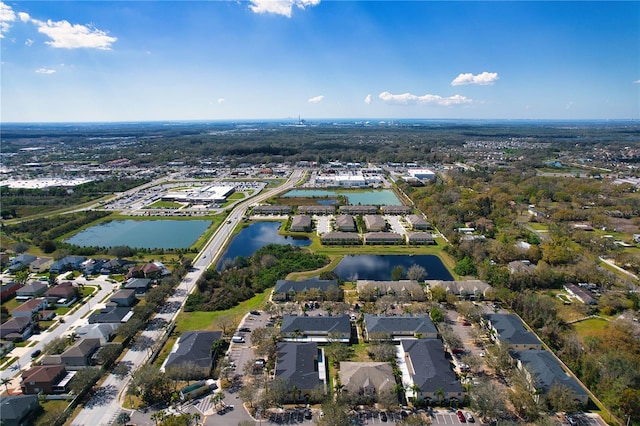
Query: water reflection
<point x="379" y="267"/>
<point x="256" y="236"/>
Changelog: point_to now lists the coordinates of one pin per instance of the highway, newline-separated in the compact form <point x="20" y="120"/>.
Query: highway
<point x="104" y="407"/>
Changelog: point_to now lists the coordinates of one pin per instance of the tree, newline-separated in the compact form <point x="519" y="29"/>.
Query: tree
<point x="20" y="248"/>
<point x="22" y="276"/>
<point x="5" y="381"/>
<point x="487" y="399"/>
<point x="382" y="352"/>
<point x="415" y="420"/>
<point x="335" y="414"/>
<point x="84" y="379"/>
<point x="416" y="272"/>
<point x="278" y="391"/>
<point x="249" y="393"/>
<point x="121" y="251"/>
<point x="123" y="418"/>
<point x="498" y="358"/>
<point x="48" y="246"/>
<point x="109" y="353"/>
<point x="397" y="273"/>
<point x="121" y="370"/>
<point x="436" y="315"/>
<point x="560" y="398"/>
<point x="337" y="352"/>
<point x="438" y="294"/>
<point x="55" y="346"/>
<point x="465" y="267"/>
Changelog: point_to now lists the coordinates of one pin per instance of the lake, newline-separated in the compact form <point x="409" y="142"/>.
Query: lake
<point x="379" y="267"/>
<point x="256" y="236"/>
<point x="152" y="234"/>
<point x="380" y="197"/>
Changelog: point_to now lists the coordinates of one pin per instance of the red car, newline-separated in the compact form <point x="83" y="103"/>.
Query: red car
<point x="458" y="351"/>
<point x="466" y="323"/>
<point x="461" y="417"/>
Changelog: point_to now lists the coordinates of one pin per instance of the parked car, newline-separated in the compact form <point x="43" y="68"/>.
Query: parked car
<point x="36" y="353"/>
<point x="383" y="416"/>
<point x="458" y="351"/>
<point x="307" y="414"/>
<point x="469" y="417"/>
<point x="244" y="330"/>
<point x="461" y="417"/>
<point x="466" y="323"/>
<point x="254" y="313"/>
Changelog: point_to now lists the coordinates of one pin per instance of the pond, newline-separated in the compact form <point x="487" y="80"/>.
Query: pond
<point x="151" y="234"/>
<point x="256" y="236"/>
<point x="380" y="197"/>
<point x="379" y="267"/>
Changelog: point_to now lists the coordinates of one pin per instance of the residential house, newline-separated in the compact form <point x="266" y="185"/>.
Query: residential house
<point x="40" y="265"/>
<point x="287" y="289"/>
<point x="523" y="267"/>
<point x="367" y="379"/>
<point x="30" y="308"/>
<point x="18" y="410"/>
<point x="9" y="290"/>
<point x="420" y="238"/>
<point x="581" y="294"/>
<point x="417" y="222"/>
<point x="92" y="266"/>
<point x="32" y="290"/>
<point x="303" y="367"/>
<point x="467" y="289"/>
<point x="545" y="371"/>
<point x="267" y="209"/>
<point x="340" y="238"/>
<point x="345" y="223"/>
<point x="358" y="210"/>
<point x="509" y="329"/>
<point x="390" y="238"/>
<point x="77" y="356"/>
<point x="69" y="263"/>
<point x="194" y="348"/>
<point x="148" y="270"/>
<point x="427" y="373"/>
<point x="300" y="223"/>
<point x="63" y="294"/>
<point x="16" y="329"/>
<point x="316" y="329"/>
<point x="139" y="285"/>
<point x="374" y="223"/>
<point x="104" y="331"/>
<point x="21" y="261"/>
<point x="385" y="327"/>
<point x="124" y="297"/>
<point x="113" y="314"/>
<point x="46" y="379"/>
<point x="316" y="210"/>
<point x="395" y="210"/>
<point x="373" y="289"/>
<point x="115" y="266"/>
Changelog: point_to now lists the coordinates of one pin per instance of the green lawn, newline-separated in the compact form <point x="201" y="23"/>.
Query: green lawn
<point x="188" y="321"/>
<point x="164" y="205"/>
<point x="587" y="327"/>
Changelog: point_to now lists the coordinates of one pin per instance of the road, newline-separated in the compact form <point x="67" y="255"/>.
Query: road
<point x="103" y="408"/>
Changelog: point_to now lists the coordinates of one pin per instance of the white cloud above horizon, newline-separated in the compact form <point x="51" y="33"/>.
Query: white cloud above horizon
<point x="316" y="99"/>
<point x="65" y="35"/>
<point x="45" y="71"/>
<point x="637" y="82"/>
<point x="280" y="7"/>
<point x="220" y="101"/>
<point x="367" y="99"/>
<point x="410" y="99"/>
<point x="7" y="16"/>
<point x="483" y="79"/>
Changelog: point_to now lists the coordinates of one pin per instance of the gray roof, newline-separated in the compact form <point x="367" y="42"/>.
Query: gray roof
<point x="111" y="315"/>
<point x="286" y="286"/>
<point x="194" y="347"/>
<point x="511" y="329"/>
<point x="361" y="375"/>
<point x="374" y="222"/>
<point x="466" y="287"/>
<point x="104" y="332"/>
<point x="137" y="283"/>
<point x="430" y="370"/>
<point x="345" y="221"/>
<point x="340" y="236"/>
<point x="14" y="408"/>
<point x="33" y="287"/>
<point x="82" y="347"/>
<point x="401" y="286"/>
<point x="300" y="221"/>
<point x="297" y="364"/>
<point x="334" y="324"/>
<point x="399" y="324"/>
<point x="547" y="370"/>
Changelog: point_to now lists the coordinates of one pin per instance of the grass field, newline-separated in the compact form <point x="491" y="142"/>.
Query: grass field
<point x="164" y="205"/>
<point x="589" y="326"/>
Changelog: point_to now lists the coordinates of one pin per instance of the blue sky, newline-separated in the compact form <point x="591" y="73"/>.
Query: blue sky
<point x="220" y="60"/>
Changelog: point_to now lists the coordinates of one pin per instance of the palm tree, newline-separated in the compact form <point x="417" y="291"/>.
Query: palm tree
<point x="5" y="381"/>
<point x="416" y="391"/>
<point x="295" y="393"/>
<point x="196" y="417"/>
<point x="440" y="394"/>
<point x="400" y="391"/>
<point x="158" y="416"/>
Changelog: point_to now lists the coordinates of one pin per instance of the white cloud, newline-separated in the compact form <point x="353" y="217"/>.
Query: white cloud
<point x="220" y="101"/>
<point x="637" y="82"/>
<point x="7" y="16"/>
<point x="280" y="7"/>
<point x="409" y="99"/>
<point x="29" y="42"/>
<point x="65" y="35"/>
<point x="367" y="100"/>
<point x="316" y="99"/>
<point x="482" y="79"/>
<point x="45" y="71"/>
